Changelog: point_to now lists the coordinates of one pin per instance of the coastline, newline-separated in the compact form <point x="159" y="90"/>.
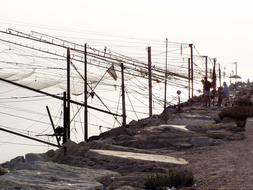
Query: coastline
<point x="215" y="150"/>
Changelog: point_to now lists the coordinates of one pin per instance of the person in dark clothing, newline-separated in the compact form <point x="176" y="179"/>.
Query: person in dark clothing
<point x="225" y="93"/>
<point x="206" y="91"/>
<point x="220" y="96"/>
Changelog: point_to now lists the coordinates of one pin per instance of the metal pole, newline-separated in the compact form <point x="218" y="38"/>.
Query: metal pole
<point x="85" y="95"/>
<point x="214" y="75"/>
<point x="65" y="128"/>
<point x="192" y="74"/>
<point x="206" y="62"/>
<point x="68" y="95"/>
<point x="25" y="136"/>
<point x="166" y="74"/>
<point x="189" y="78"/>
<point x="123" y="96"/>
<point x="150" y="81"/>
<point x="219" y="74"/>
<point x="52" y="123"/>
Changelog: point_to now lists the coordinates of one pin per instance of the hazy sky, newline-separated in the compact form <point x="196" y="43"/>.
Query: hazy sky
<point x="219" y="28"/>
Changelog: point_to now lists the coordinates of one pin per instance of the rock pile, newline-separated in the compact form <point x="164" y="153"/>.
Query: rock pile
<point x="119" y="159"/>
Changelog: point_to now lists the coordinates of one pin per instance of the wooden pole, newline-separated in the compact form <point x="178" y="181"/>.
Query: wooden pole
<point x="214" y="75"/>
<point x="150" y="81"/>
<point x="189" y="78"/>
<point x="85" y="95"/>
<point x="192" y="74"/>
<point x="166" y="75"/>
<point x="219" y="74"/>
<point x="68" y="95"/>
<point x="123" y="96"/>
<point x="206" y="66"/>
<point x="65" y="127"/>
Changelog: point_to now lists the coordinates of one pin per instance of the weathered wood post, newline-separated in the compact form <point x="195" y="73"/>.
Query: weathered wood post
<point x="192" y="72"/>
<point x="219" y="74"/>
<point x="65" y="126"/>
<point x="206" y="65"/>
<point x="123" y="96"/>
<point x="85" y="95"/>
<point x="150" y="81"/>
<point x="189" y="78"/>
<point x="166" y="75"/>
<point x="68" y="95"/>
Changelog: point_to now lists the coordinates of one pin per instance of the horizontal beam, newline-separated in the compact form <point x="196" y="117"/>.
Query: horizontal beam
<point x="57" y="97"/>
<point x="28" y="137"/>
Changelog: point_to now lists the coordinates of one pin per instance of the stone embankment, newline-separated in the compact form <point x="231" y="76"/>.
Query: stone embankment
<point x="216" y="149"/>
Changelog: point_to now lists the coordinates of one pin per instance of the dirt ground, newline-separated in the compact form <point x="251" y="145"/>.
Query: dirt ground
<point x="228" y="166"/>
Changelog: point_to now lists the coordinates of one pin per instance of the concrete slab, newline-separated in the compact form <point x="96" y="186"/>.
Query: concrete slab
<point x="142" y="156"/>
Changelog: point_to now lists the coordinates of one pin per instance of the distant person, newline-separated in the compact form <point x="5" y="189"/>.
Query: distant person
<point x="220" y="96"/>
<point x="225" y="93"/>
<point x="206" y="91"/>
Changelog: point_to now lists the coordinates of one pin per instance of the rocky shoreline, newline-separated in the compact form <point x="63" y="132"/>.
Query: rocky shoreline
<point x="206" y="141"/>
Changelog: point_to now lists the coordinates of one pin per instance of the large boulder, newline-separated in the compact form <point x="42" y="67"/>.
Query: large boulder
<point x="31" y="157"/>
<point x="14" y="163"/>
<point x="52" y="176"/>
<point x="69" y="148"/>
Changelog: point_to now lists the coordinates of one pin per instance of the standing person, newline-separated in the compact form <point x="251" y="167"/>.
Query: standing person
<point x="206" y="88"/>
<point x="220" y="96"/>
<point x="225" y="93"/>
